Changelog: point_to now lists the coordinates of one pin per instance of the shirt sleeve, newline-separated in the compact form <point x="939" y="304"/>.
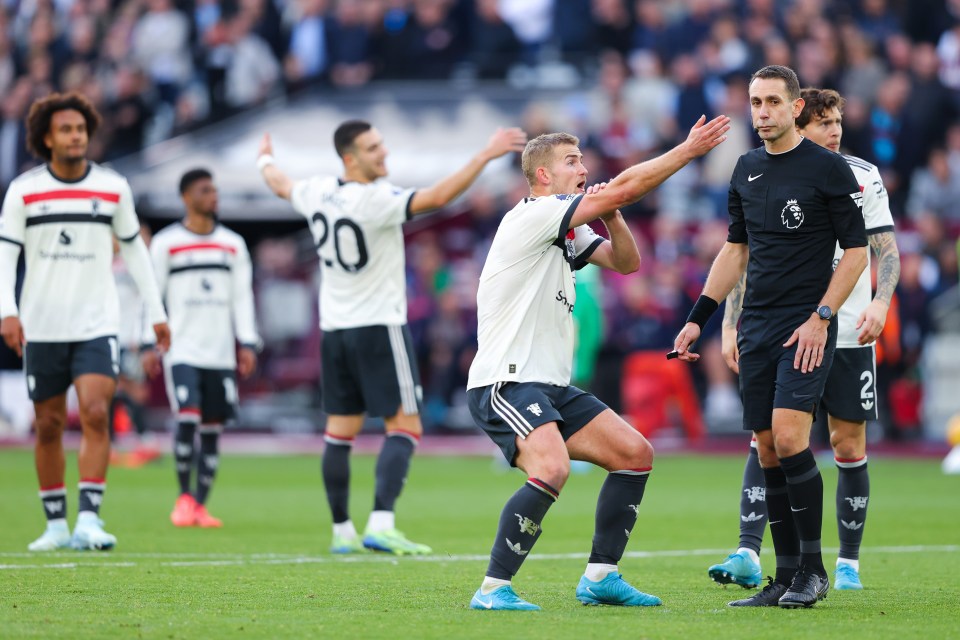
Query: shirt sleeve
<point x="160" y="261"/>
<point x="126" y="225"/>
<point x="301" y="196"/>
<point x="737" y="229"/>
<point x="243" y="310"/>
<point x="12" y="225"/>
<point x="844" y="201"/>
<point x="385" y="203"/>
<point x="585" y="242"/>
<point x="876" y="204"/>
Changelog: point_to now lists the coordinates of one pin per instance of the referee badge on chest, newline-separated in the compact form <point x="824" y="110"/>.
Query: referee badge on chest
<point x="792" y="215"/>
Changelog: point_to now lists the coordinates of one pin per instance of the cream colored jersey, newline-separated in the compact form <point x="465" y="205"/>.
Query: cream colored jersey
<point x="65" y="230"/>
<point x="206" y="283"/>
<point x="877" y="219"/>
<point x="357" y="229"/>
<point x="526" y="296"/>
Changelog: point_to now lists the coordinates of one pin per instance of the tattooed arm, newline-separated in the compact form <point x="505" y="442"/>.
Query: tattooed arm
<point x="873" y="318"/>
<point x="731" y="317"/>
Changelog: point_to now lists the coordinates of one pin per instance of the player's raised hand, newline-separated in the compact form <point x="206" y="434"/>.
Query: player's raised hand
<point x="503" y="141"/>
<point x="704" y="135"/>
<point x="685" y="339"/>
<point x="266" y="146"/>
<point x="12" y="332"/>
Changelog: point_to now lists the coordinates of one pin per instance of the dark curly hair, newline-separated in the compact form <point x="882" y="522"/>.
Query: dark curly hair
<point x="41" y="113"/>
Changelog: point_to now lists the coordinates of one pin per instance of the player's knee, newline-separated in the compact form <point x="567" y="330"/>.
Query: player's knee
<point x="49" y="428"/>
<point x="554" y="472"/>
<point x="847" y="447"/>
<point x="638" y="454"/>
<point x="94" y="416"/>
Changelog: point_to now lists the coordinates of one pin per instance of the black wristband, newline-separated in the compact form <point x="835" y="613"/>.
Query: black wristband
<point x="702" y="311"/>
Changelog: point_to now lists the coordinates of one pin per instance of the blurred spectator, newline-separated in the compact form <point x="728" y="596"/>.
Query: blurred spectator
<point x="160" y="42"/>
<point x="495" y="45"/>
<point x="428" y="47"/>
<point x="307" y="58"/>
<point x="14" y="157"/>
<point x="935" y="189"/>
<point x="351" y="46"/>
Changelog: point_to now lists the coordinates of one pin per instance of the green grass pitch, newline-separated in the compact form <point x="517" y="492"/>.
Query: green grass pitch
<point x="267" y="574"/>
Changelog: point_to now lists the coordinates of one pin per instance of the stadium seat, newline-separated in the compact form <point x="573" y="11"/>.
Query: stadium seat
<point x="651" y="385"/>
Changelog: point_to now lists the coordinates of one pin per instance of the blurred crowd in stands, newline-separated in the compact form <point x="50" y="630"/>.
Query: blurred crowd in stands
<point x="635" y="75"/>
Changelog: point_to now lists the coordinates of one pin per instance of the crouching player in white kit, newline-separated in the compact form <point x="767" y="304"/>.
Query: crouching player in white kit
<point x="205" y="277"/>
<point x="64" y="215"/>
<point x="519" y="386"/>
<point x="850" y="396"/>
<point x="367" y="356"/>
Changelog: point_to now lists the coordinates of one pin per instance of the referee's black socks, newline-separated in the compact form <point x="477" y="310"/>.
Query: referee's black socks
<point x="805" y="489"/>
<point x="783" y="531"/>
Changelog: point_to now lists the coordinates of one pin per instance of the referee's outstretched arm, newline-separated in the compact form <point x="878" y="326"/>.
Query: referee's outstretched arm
<point x="725" y="273"/>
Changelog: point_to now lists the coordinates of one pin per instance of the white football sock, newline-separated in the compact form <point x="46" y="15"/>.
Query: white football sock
<point x="597" y="571"/>
<point x="345" y="529"/>
<point x="380" y="521"/>
<point x="750" y="554"/>
<point x="853" y="563"/>
<point x="489" y="584"/>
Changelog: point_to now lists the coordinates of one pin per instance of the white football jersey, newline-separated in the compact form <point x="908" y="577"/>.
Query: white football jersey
<point x="526" y="296"/>
<point x="877" y="219"/>
<point x="66" y="231"/>
<point x="206" y="283"/>
<point x="357" y="231"/>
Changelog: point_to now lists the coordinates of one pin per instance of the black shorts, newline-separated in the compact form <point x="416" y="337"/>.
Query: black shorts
<point x="51" y="367"/>
<point x="370" y="370"/>
<point x="205" y="395"/>
<point x="851" y="392"/>
<point x="767" y="377"/>
<point x="510" y="410"/>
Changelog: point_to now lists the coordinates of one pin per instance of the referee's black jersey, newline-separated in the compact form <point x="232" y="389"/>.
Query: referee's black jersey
<point x="791" y="209"/>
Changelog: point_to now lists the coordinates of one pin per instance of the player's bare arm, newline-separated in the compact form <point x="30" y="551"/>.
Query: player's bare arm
<point x="726" y="272"/>
<point x="276" y="180"/>
<point x="811" y="336"/>
<point x="731" y="317"/>
<point x="502" y="142"/>
<point x="874" y="317"/>
<point x="636" y="181"/>
<point x="620" y="252"/>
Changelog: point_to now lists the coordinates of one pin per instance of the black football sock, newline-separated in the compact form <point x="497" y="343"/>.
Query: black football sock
<point x="853" y="495"/>
<point x="335" y="468"/>
<point x="805" y="489"/>
<point x="208" y="461"/>
<point x="618" y="506"/>
<point x="753" y="503"/>
<point x="783" y="532"/>
<point x="519" y="528"/>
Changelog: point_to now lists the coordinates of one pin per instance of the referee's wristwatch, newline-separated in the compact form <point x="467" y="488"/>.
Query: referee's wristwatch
<point x="824" y="312"/>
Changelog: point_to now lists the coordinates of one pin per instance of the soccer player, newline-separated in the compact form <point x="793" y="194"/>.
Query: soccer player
<point x="519" y="389"/>
<point x="367" y="353"/>
<point x="850" y="395"/>
<point x="205" y="277"/>
<point x="791" y="201"/>
<point x="63" y="216"/>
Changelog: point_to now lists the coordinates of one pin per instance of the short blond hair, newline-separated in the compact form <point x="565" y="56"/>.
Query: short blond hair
<point x="539" y="153"/>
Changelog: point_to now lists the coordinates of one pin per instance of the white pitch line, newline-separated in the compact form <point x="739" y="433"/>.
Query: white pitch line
<point x="239" y="560"/>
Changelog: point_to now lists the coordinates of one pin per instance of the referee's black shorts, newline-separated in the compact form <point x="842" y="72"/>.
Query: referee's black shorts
<point x="768" y="380"/>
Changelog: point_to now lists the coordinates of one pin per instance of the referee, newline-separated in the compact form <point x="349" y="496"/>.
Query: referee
<point x="791" y="201"/>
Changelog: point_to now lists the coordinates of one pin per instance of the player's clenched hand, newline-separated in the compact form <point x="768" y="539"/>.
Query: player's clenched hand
<point x="871" y="322"/>
<point x="685" y="339"/>
<point x="12" y="332"/>
<point x="266" y="146"/>
<point x="704" y="137"/>
<point x="729" y="348"/>
<point x="162" y="331"/>
<point x="246" y="362"/>
<point x="811" y="340"/>
<point x="503" y="141"/>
